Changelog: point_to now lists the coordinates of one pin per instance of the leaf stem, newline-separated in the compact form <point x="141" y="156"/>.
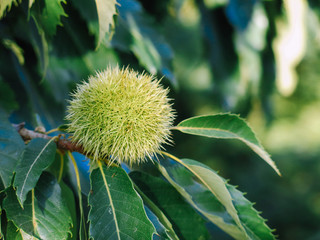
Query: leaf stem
<point x="82" y="220"/>
<point x="53" y="130"/>
<point x="61" y="166"/>
<point x="34" y="221"/>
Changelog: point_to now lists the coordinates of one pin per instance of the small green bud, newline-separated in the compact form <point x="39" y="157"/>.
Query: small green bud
<point x="120" y="115"/>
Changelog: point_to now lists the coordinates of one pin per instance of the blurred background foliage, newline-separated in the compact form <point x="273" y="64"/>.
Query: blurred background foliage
<point x="256" y="58"/>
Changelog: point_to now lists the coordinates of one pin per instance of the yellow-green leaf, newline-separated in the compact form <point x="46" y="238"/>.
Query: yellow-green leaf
<point x="228" y="126"/>
<point x="106" y="9"/>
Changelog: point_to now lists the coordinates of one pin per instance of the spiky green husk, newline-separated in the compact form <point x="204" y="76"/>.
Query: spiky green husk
<point x="120" y="115"/>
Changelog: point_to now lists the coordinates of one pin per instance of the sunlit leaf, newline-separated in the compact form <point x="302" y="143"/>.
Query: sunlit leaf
<point x="180" y="214"/>
<point x="45" y="213"/>
<point x="215" y="3"/>
<point x="11" y="146"/>
<point x="116" y="209"/>
<point x="6" y="5"/>
<point x="106" y="9"/>
<point x="201" y="194"/>
<point x="211" y="196"/>
<point x="228" y="126"/>
<point x="37" y="156"/>
<point x="15" y="48"/>
<point x="254" y="224"/>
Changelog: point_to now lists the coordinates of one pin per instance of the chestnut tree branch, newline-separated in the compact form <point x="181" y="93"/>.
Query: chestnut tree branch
<point x="62" y="144"/>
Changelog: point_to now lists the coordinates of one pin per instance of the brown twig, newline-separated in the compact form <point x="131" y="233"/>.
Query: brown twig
<point x="62" y="144"/>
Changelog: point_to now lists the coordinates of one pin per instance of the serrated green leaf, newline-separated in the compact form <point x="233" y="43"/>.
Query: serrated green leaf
<point x="229" y="126"/>
<point x="49" y="16"/>
<point x="192" y="179"/>
<point x="180" y="213"/>
<point x="116" y="209"/>
<point x="195" y="190"/>
<point x="38" y="155"/>
<point x="45" y="213"/>
<point x="14" y="233"/>
<point x="11" y="146"/>
<point x="6" y="5"/>
<point x="106" y="9"/>
<point x="68" y="196"/>
<point x="254" y="224"/>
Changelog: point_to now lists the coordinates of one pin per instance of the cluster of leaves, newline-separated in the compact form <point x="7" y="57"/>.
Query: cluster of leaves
<point x="48" y="46"/>
<point x="39" y="202"/>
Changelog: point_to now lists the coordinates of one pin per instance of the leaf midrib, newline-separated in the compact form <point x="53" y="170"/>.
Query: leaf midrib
<point x="111" y="201"/>
<point x="204" y="182"/>
<point x="214" y="129"/>
<point x="28" y="173"/>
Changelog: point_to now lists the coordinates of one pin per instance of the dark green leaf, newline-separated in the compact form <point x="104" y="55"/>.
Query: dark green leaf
<point x="45" y="215"/>
<point x="6" y="5"/>
<point x="14" y="233"/>
<point x="228" y="126"/>
<point x="68" y="197"/>
<point x="253" y="223"/>
<point x="218" y="201"/>
<point x="215" y="3"/>
<point x="116" y="209"/>
<point x="63" y="127"/>
<point x="88" y="11"/>
<point x="7" y="97"/>
<point x="38" y="155"/>
<point x="135" y="32"/>
<point x="240" y="13"/>
<point x="40" y="45"/>
<point x="181" y="215"/>
<point x="48" y="16"/>
<point x="157" y="217"/>
<point x="59" y="168"/>
<point x="162" y="232"/>
<point x="59" y="77"/>
<point x="1" y="233"/>
<point x="211" y="199"/>
<point x="11" y="146"/>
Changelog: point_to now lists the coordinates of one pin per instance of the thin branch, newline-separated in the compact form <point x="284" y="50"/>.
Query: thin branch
<point x="62" y="144"/>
